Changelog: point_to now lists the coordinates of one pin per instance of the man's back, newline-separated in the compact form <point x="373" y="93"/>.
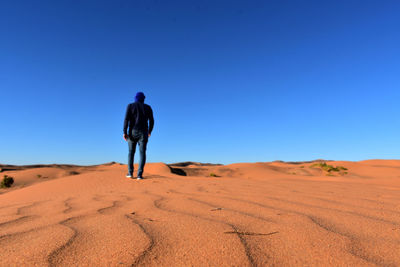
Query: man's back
<point x="139" y="117"/>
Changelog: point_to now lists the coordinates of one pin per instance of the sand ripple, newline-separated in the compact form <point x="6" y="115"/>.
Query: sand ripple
<point x="252" y="215"/>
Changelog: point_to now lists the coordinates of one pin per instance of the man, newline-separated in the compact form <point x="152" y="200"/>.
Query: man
<point x="139" y="119"/>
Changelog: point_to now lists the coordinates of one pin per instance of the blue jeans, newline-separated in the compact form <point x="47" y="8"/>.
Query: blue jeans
<point x="141" y="138"/>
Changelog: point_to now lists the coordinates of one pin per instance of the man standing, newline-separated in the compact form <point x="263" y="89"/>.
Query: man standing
<point x="139" y="119"/>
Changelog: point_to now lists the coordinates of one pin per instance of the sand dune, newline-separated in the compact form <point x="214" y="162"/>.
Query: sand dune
<point x="245" y="214"/>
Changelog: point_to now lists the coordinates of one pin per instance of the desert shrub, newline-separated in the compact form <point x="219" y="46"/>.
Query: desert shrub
<point x="328" y="168"/>
<point x="39" y="176"/>
<point x="315" y="165"/>
<point x="73" y="173"/>
<point x="323" y="166"/>
<point x="7" y="181"/>
<point x="213" y="175"/>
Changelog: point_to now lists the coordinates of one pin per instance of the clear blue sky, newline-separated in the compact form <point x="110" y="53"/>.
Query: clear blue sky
<point x="229" y="81"/>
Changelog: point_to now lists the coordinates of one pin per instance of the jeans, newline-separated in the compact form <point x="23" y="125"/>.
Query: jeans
<point x="141" y="138"/>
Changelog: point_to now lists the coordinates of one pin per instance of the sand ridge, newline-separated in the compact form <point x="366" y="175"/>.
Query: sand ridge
<point x="245" y="214"/>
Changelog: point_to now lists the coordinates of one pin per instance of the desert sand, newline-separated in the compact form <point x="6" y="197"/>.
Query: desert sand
<point x="189" y="214"/>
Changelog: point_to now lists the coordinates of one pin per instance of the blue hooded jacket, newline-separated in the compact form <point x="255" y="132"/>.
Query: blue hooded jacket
<point x="138" y="116"/>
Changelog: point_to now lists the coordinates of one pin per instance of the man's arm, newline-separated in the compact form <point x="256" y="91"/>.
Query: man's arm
<point x="126" y="122"/>
<point x="151" y="120"/>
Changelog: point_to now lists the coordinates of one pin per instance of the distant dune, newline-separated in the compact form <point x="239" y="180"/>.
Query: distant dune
<point x="319" y="213"/>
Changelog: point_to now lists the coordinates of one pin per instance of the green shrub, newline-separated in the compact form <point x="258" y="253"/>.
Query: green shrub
<point x="7" y="181"/>
<point x="328" y="168"/>
<point x="323" y="166"/>
<point x="39" y="176"/>
<point x="213" y="175"/>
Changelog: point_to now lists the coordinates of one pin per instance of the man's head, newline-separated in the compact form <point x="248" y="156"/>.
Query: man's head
<point x="140" y="97"/>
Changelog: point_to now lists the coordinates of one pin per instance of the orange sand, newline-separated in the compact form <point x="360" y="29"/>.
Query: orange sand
<point x="261" y="214"/>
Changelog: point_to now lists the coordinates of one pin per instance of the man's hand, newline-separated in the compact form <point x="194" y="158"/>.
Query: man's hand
<point x="126" y="137"/>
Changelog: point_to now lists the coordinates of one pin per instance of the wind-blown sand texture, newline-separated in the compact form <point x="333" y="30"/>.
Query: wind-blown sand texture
<point x="260" y="214"/>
